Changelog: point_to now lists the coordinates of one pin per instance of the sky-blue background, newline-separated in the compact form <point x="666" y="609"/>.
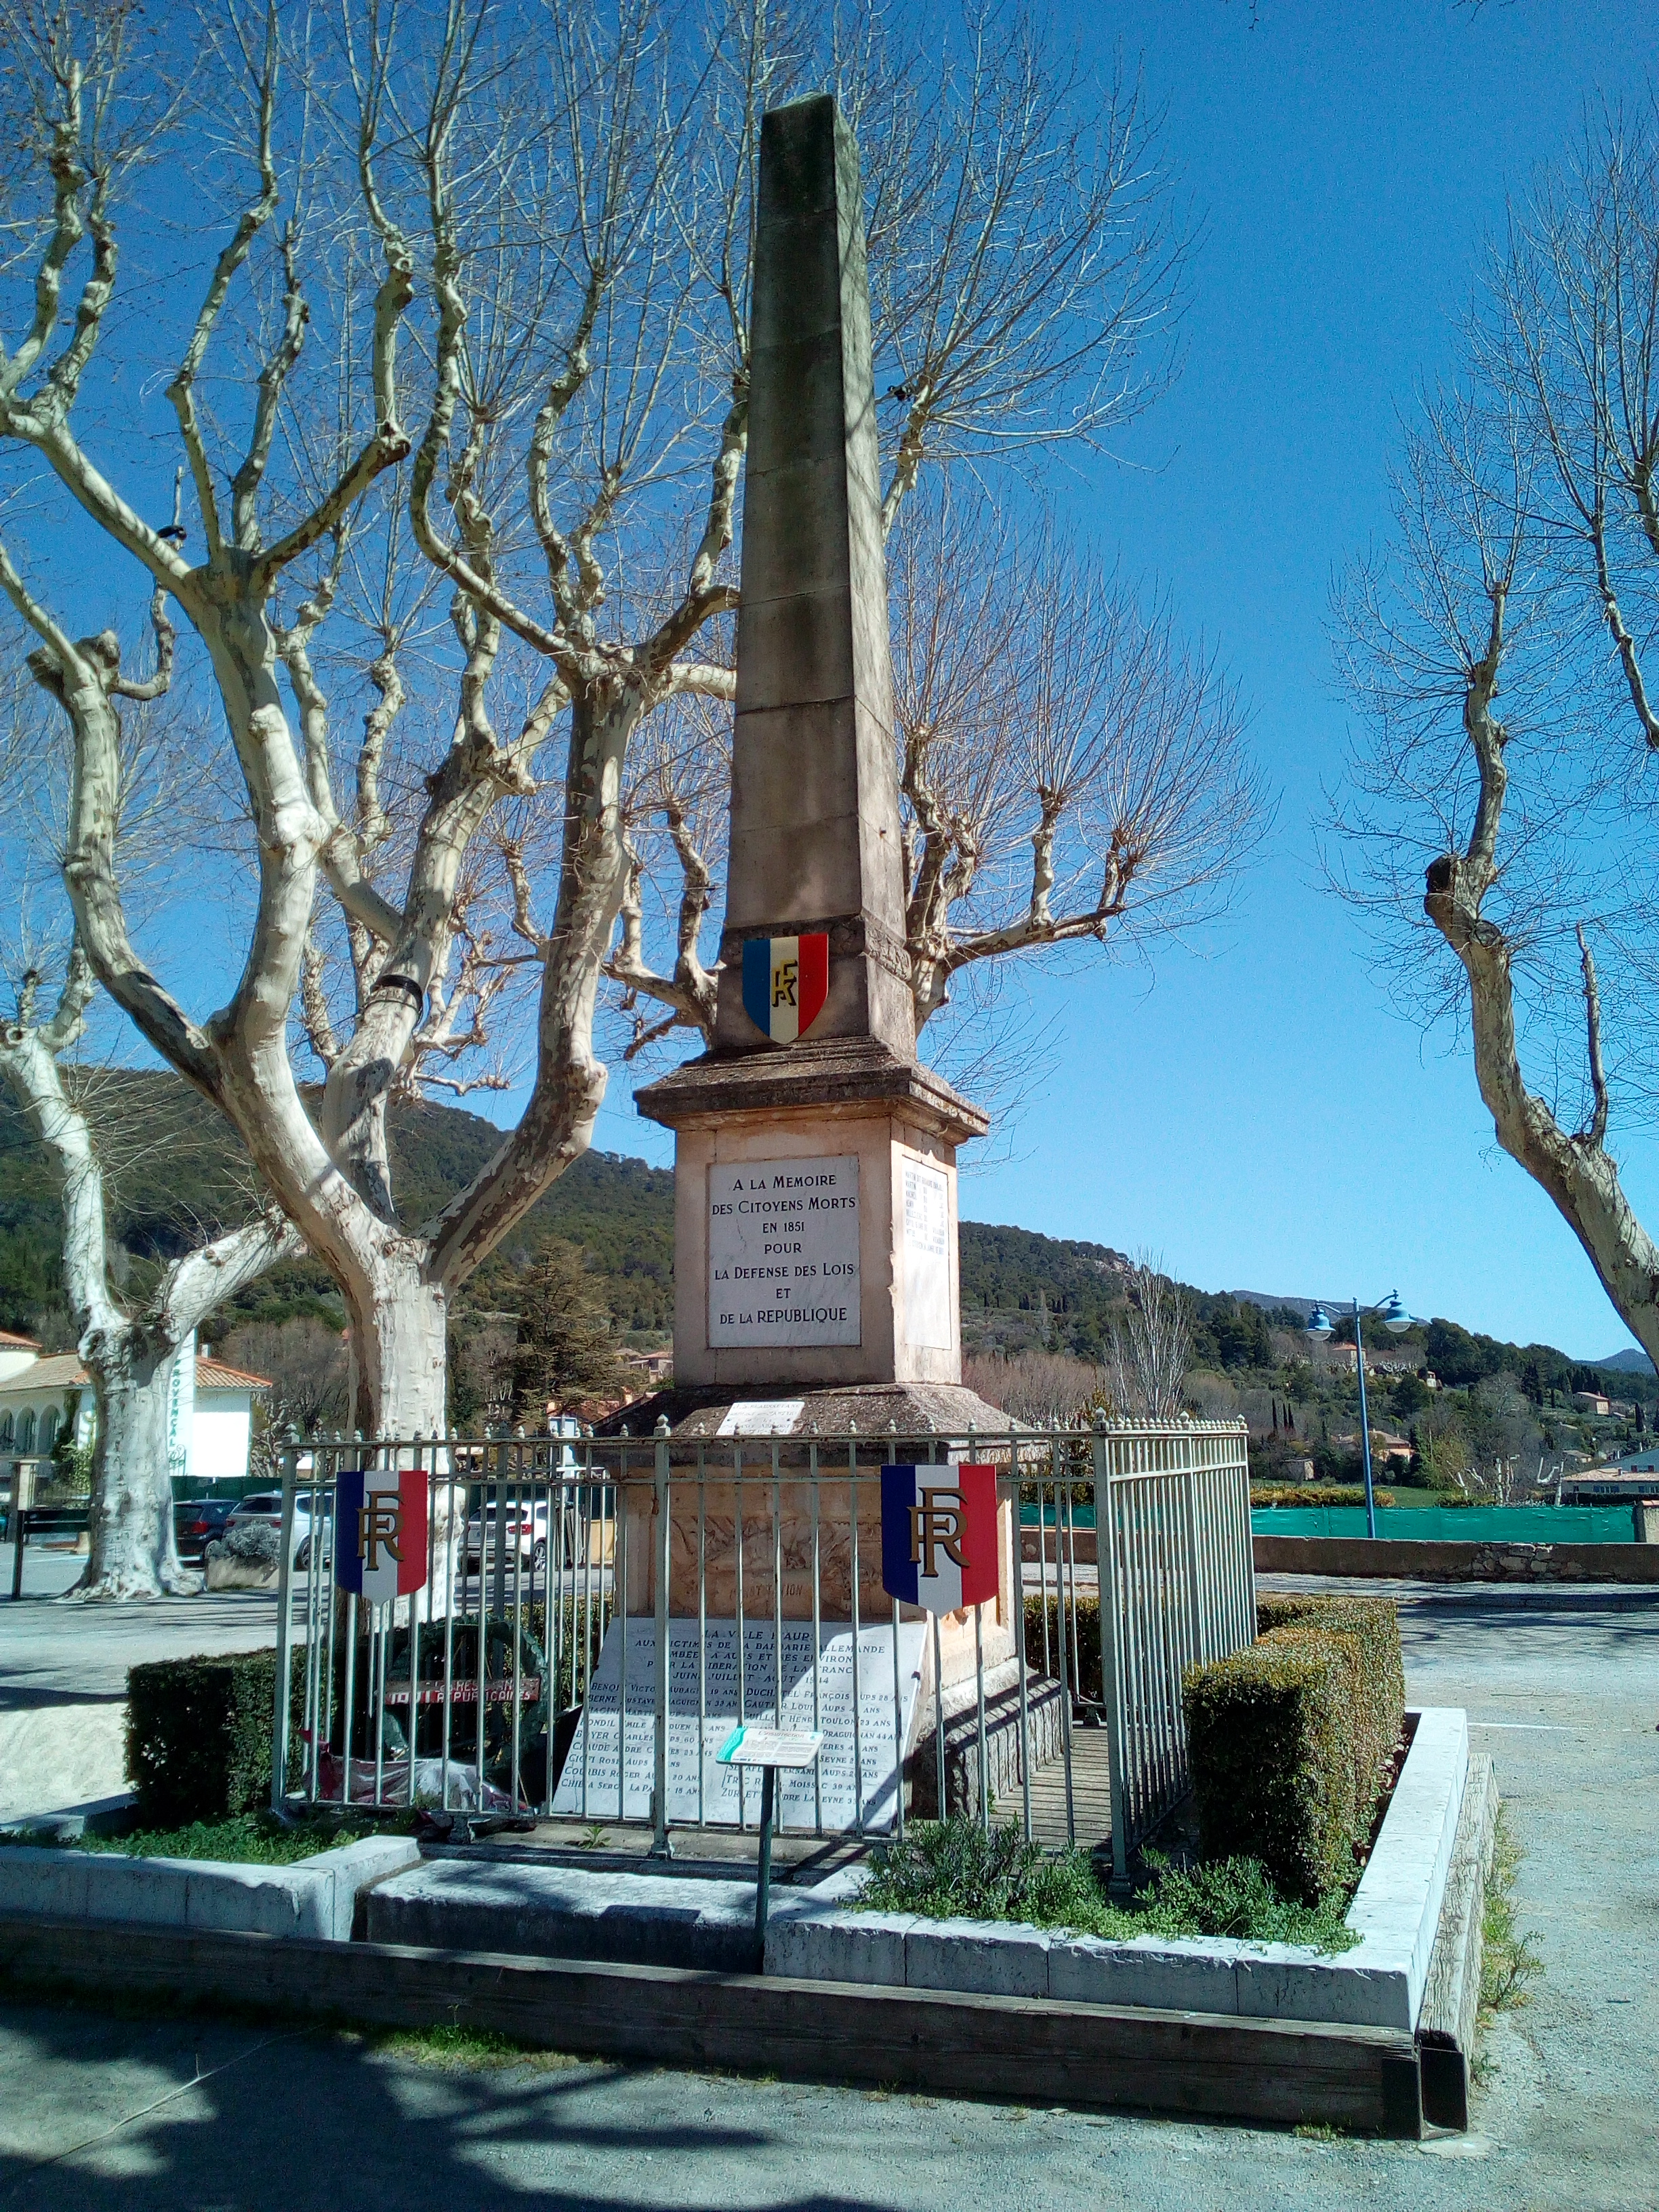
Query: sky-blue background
<point x="1258" y="1116"/>
<point x="1249" y="1109"/>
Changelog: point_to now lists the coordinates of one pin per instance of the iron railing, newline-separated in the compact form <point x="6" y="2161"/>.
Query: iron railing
<point x="596" y="1614"/>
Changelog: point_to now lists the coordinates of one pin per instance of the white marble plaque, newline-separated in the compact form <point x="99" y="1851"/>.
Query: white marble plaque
<point x="762" y="1417"/>
<point x="783" y="1252"/>
<point x="926" y="1255"/>
<point x="701" y="1788"/>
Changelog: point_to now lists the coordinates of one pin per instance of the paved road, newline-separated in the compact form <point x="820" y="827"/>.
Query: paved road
<point x="51" y="1652"/>
<point x="64" y="1676"/>
<point x="1564" y="1688"/>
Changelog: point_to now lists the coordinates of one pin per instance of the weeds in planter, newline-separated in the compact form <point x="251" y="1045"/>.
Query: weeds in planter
<point x="248" y="1839"/>
<point x="1234" y="1897"/>
<point x="949" y="1870"/>
<point x="1508" y="1962"/>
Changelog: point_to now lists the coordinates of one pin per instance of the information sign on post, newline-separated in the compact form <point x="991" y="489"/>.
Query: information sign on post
<point x="380" y="1543"/>
<point x="769" y="1749"/>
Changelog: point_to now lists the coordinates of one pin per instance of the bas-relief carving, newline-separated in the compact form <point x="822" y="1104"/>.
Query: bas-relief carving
<point x="714" y="1551"/>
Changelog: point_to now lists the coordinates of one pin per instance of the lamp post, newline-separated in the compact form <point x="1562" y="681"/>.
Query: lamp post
<point x="1394" y="1318"/>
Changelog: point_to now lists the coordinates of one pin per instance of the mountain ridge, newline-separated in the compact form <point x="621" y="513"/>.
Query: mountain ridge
<point x="177" y="1175"/>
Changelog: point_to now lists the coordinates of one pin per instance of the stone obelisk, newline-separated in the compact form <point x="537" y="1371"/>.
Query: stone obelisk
<point x="816" y="1220"/>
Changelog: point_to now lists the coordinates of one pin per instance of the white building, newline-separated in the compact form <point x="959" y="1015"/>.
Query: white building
<point x="210" y="1424"/>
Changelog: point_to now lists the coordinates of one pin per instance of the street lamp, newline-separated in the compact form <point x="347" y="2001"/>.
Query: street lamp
<point x="1394" y="1318"/>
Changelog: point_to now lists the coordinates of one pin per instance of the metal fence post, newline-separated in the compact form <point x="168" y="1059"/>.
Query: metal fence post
<point x="660" y="1848"/>
<point x="1110" y="1673"/>
<point x="279" y="1723"/>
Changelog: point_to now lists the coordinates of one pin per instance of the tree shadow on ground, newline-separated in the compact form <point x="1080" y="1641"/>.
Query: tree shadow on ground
<point x="296" y="2119"/>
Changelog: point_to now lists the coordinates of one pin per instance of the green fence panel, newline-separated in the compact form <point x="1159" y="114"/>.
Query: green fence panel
<point x="1470" y="1524"/>
<point x="1083" y="1516"/>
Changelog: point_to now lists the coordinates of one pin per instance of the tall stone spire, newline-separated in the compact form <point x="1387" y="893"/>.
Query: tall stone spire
<point x="815" y="1215"/>
<point x="814" y="842"/>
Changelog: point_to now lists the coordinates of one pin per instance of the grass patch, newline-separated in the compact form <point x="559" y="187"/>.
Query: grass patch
<point x="949" y="1870"/>
<point x="451" y="2047"/>
<point x="1508" y="1962"/>
<point x="246" y="1839"/>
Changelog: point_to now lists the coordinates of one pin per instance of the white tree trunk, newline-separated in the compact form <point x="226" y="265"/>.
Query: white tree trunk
<point x="400" y="1345"/>
<point x="132" y="1548"/>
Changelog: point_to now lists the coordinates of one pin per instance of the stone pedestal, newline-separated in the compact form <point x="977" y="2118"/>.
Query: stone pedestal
<point x="815" y="1231"/>
<point x="816" y="1287"/>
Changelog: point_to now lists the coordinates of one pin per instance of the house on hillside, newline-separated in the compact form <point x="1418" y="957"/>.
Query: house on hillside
<point x="1376" y="1362"/>
<point x="209" y="1422"/>
<point x="650" y="1368"/>
<point x="1591" y="1402"/>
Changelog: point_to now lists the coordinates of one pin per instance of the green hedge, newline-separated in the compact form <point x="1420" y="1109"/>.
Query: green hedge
<point x="1289" y="1739"/>
<point x="198" y="1736"/>
<point x="1379" y="1680"/>
<point x="1088" y="1640"/>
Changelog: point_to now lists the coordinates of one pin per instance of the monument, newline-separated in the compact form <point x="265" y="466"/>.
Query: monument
<point x="815" y="1156"/>
<point x="816" y="1289"/>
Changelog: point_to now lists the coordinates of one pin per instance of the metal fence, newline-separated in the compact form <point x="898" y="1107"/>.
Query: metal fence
<point x="595" y="1616"/>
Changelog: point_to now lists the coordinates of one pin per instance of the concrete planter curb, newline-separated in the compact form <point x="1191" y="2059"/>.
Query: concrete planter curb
<point x="555" y="1912"/>
<point x="1379" y="1983"/>
<point x="315" y="1897"/>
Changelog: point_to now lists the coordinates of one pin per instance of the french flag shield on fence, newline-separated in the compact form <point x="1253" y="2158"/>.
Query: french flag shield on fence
<point x="939" y="1536"/>
<point x="379" y="1532"/>
<point x="786" y="981"/>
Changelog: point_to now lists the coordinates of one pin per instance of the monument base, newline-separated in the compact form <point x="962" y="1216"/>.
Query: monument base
<point x="815" y="1218"/>
<point x="909" y="1411"/>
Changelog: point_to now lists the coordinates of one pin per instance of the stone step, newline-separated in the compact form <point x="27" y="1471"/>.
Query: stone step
<point x="566" y="1912"/>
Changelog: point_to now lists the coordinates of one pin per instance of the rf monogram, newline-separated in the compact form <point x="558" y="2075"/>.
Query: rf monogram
<point x="380" y="1522"/>
<point x="937" y="1521"/>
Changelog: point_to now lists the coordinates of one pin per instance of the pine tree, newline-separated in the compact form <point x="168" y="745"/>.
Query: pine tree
<point x="565" y="1351"/>
<point x="465" y="1401"/>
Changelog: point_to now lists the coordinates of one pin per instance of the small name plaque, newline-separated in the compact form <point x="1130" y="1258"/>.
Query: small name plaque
<point x="783" y="1252"/>
<point x="747" y="1746"/>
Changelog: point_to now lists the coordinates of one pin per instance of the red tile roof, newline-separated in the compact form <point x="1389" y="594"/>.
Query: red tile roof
<point x="64" y="1371"/>
<point x="18" y="1343"/>
<point x="214" y="1375"/>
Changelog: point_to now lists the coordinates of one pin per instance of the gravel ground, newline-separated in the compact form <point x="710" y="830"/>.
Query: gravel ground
<point x="101" y="2111"/>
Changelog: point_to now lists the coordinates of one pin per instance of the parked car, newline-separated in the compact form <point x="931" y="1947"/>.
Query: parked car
<point x="200" y="1521"/>
<point x="266" y="1506"/>
<point x="524" y="1529"/>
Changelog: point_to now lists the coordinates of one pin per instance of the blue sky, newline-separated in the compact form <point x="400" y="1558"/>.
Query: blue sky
<point x="1255" y="1113"/>
<point x="1249" y="1107"/>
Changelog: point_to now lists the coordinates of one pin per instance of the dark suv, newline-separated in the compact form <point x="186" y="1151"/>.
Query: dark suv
<point x="201" y="1522"/>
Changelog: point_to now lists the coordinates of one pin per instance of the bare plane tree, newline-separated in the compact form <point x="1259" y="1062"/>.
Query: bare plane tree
<point x="1498" y="653"/>
<point x="1071" y="773"/>
<point x="128" y="1344"/>
<point x="480" y="318"/>
<point x="131" y="1355"/>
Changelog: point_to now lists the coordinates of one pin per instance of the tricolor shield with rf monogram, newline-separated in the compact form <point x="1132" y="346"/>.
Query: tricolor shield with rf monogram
<point x="939" y="1536"/>
<point x="380" y="1538"/>
<point x="786" y="981"/>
